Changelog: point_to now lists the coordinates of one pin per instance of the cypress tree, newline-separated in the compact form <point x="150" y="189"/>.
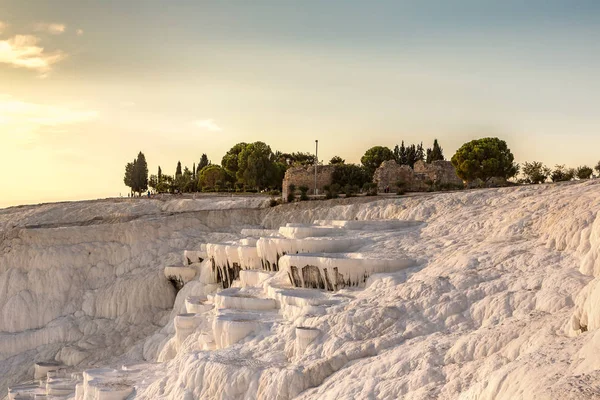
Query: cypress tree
<point x="436" y="153"/>
<point x="141" y="173"/>
<point x="159" y="174"/>
<point x="403" y="155"/>
<point x="420" y="153"/>
<point x="178" y="170"/>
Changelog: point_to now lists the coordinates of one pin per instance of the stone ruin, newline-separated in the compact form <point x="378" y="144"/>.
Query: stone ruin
<point x="435" y="176"/>
<point x="305" y="176"/>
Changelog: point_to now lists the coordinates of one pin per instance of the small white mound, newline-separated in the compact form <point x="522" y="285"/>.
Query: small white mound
<point x="336" y="271"/>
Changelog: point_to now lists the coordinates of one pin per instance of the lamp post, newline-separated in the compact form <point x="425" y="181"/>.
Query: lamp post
<point x="316" y="163"/>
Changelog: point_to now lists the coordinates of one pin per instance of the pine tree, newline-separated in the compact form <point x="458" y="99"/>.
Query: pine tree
<point x="178" y="170"/>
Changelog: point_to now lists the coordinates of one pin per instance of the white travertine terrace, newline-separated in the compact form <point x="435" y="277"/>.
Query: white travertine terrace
<point x="336" y="271"/>
<point x="180" y="274"/>
<point x="42" y="368"/>
<point x="230" y="328"/>
<point x="271" y="249"/>
<point x="258" y="233"/>
<point x="304" y="337"/>
<point x="382" y="224"/>
<point x="237" y="299"/>
<point x="301" y="232"/>
<point x="197" y="305"/>
<point x="249" y="258"/>
<point x="194" y="256"/>
<point x="253" y="277"/>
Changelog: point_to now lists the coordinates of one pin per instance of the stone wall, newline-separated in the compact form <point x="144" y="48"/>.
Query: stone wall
<point x="438" y="174"/>
<point x="305" y="176"/>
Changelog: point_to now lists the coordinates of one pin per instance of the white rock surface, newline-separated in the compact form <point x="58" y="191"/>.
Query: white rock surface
<point x="501" y="305"/>
<point x="337" y="271"/>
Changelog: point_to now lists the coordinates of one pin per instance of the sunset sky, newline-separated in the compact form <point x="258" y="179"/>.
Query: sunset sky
<point x="85" y="85"/>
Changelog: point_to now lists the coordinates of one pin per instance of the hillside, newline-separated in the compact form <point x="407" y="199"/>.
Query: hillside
<point x="498" y="300"/>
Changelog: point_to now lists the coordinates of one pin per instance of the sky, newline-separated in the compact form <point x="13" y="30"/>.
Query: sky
<point x="85" y="85"/>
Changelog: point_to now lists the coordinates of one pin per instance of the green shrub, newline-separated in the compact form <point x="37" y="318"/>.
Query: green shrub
<point x="370" y="189"/>
<point x="291" y="193"/>
<point x="273" y="202"/>
<point x="303" y="193"/>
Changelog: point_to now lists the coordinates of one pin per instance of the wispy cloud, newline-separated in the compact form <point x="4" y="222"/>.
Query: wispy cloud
<point x="23" y="51"/>
<point x="209" y="125"/>
<point x="25" y="119"/>
<point x="79" y="32"/>
<point x="52" y="28"/>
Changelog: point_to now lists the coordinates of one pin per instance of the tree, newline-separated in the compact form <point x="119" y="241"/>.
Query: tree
<point x="584" y="172"/>
<point x="435" y="154"/>
<point x="350" y="174"/>
<point x="375" y="156"/>
<point x="597" y="167"/>
<point x="302" y="159"/>
<point x="419" y="153"/>
<point x="178" y="170"/>
<point x="136" y="174"/>
<point x="535" y="172"/>
<point x="141" y="173"/>
<point x="335" y="160"/>
<point x="256" y="166"/>
<point x="411" y="155"/>
<point x="129" y="175"/>
<point x="153" y="182"/>
<point x="484" y="159"/>
<point x="159" y="177"/>
<point x="204" y="162"/>
<point x="211" y="175"/>
<point x="562" y="174"/>
<point x="230" y="159"/>
<point x="194" y="172"/>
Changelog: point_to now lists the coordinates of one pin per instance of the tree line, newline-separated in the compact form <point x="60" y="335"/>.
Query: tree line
<point x="252" y="167"/>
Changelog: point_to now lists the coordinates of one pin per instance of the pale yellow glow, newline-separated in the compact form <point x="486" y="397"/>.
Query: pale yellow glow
<point x="3" y="26"/>
<point x="23" y="51"/>
<point x="20" y="121"/>
<point x="209" y="125"/>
